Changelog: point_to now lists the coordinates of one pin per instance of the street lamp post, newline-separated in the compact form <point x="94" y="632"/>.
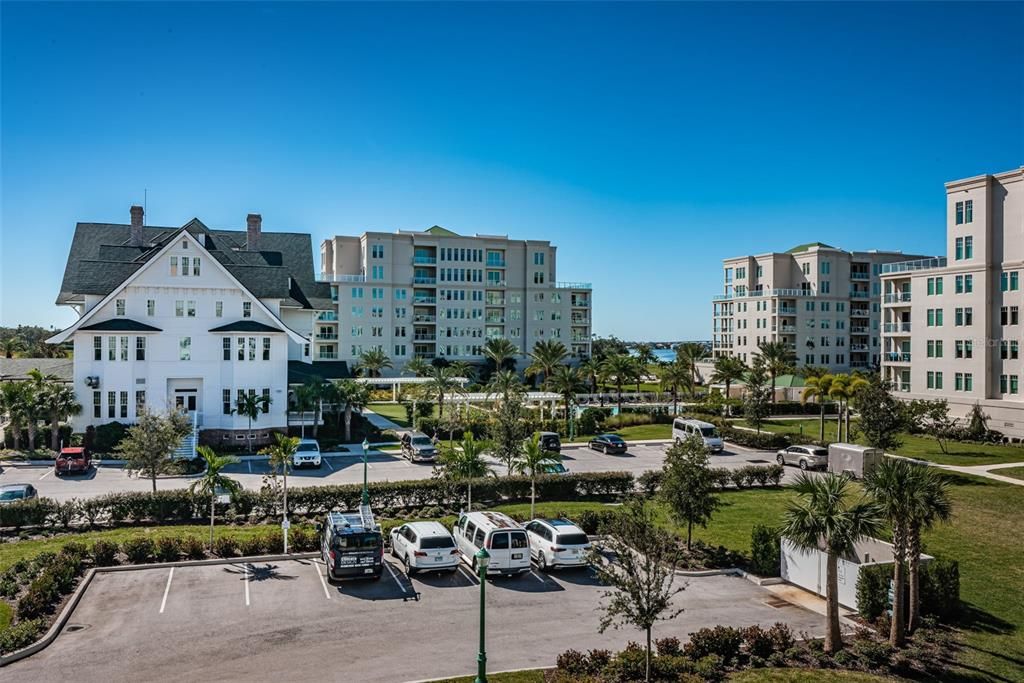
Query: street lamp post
<point x="366" y="490"/>
<point x="483" y="558"/>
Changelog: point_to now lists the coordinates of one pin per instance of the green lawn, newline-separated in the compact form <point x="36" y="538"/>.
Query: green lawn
<point x="6" y="614"/>
<point x="639" y="432"/>
<point x="1015" y="472"/>
<point x="531" y="676"/>
<point x="806" y="676"/>
<point x="914" y="446"/>
<point x="392" y="411"/>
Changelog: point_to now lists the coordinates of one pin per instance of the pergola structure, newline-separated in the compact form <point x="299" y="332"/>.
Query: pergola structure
<point x="396" y="382"/>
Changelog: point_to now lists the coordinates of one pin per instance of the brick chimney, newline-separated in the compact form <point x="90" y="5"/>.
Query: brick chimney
<point x="253" y="227"/>
<point x="137" y="214"/>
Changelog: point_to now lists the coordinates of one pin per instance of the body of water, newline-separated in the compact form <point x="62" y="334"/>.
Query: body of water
<point x="663" y="355"/>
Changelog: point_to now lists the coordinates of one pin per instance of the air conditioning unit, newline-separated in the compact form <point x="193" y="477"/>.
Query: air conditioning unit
<point x="92" y="381"/>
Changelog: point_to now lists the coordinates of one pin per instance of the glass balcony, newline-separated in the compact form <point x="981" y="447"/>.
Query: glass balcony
<point x="325" y="277"/>
<point x="860" y="295"/>
<point x="896" y="328"/>
<point x="910" y="266"/>
<point x="898" y="357"/>
<point x="427" y="300"/>
<point x="424" y="318"/>
<point x="327" y="355"/>
<point x="897" y="298"/>
<point x="495" y="263"/>
<point x="580" y="302"/>
<point x="423" y="336"/>
<point x="424" y="260"/>
<point x="573" y="285"/>
<point x="326" y="337"/>
<point x="327" y="316"/>
<point x="860" y="276"/>
<point x="424" y="280"/>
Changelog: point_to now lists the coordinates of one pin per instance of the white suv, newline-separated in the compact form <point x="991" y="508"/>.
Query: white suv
<point x="557" y="543"/>
<point x="307" y="454"/>
<point x="424" y="546"/>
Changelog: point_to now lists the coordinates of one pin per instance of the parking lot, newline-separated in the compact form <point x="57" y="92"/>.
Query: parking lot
<point x="283" y="620"/>
<point x="348" y="469"/>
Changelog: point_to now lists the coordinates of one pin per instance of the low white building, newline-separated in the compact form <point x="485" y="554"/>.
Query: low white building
<point x="189" y="317"/>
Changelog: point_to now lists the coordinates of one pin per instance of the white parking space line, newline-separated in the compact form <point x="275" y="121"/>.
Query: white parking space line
<point x="391" y="571"/>
<point x="328" y="463"/>
<point x="316" y="568"/>
<point x="167" y="589"/>
<point x="468" y="574"/>
<point x="249" y="463"/>
<point x="47" y="473"/>
<point x="538" y="577"/>
<point x="246" y="569"/>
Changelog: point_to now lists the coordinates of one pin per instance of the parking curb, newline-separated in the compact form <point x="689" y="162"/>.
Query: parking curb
<point x="732" y="571"/>
<point x="489" y="673"/>
<point x="65" y="615"/>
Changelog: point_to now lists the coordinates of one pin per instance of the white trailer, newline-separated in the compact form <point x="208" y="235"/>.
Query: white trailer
<point x="852" y="459"/>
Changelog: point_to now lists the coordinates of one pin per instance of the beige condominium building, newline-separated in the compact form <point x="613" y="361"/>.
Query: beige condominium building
<point x="952" y="326"/>
<point x="824" y="302"/>
<point x="436" y="294"/>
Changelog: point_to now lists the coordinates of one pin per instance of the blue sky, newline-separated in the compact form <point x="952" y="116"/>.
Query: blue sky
<point x="648" y="141"/>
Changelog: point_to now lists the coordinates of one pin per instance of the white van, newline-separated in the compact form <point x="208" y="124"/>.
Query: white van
<point x="684" y="429"/>
<point x="505" y="540"/>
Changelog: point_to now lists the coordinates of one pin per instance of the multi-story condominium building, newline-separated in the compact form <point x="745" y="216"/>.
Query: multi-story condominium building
<point x="188" y="317"/>
<point x="436" y="294"/>
<point x="952" y="326"/>
<point x="823" y="302"/>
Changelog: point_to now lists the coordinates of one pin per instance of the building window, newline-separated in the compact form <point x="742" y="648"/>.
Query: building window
<point x="969" y="211"/>
<point x="240" y="345"/>
<point x="958" y="249"/>
<point x="185" y="348"/>
<point x="174" y="266"/>
<point x="968" y="381"/>
<point x="824" y="287"/>
<point x="226" y="348"/>
<point x="968" y="247"/>
<point x="377" y="251"/>
<point x="377" y="273"/>
<point x="150" y="307"/>
<point x="179" y="309"/>
<point x="124" y="404"/>
<point x="97" y="348"/>
<point x="226" y="401"/>
<point x="184" y="266"/>
<point x="538" y="258"/>
<point x="538" y="278"/>
<point x="218" y="309"/>
<point x="246" y="309"/>
<point x="140" y="348"/>
<point x="399" y="349"/>
<point x="266" y="348"/>
<point x="111" y="404"/>
<point x="826" y="267"/>
<point x="119" y="307"/>
<point x="195" y="266"/>
<point x="97" y="405"/>
<point x="252" y="348"/>
<point x="191" y="309"/>
<point x="111" y="348"/>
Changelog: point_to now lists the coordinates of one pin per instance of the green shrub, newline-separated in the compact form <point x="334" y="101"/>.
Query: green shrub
<point x="225" y="546"/>
<point x="873" y="590"/>
<point x="765" y="554"/>
<point x="8" y="586"/>
<point x="108" y="436"/>
<point x="668" y="647"/>
<point x="573" y="662"/>
<point x="875" y="654"/>
<point x="75" y="549"/>
<point x="20" y="635"/>
<point x="193" y="548"/>
<point x="782" y="636"/>
<point x="254" y="545"/>
<point x="723" y="641"/>
<point x="758" y="642"/>
<point x="301" y="540"/>
<point x="628" y="665"/>
<point x="104" y="553"/>
<point x="138" y="549"/>
<point x="168" y="549"/>
<point x="24" y="513"/>
<point x="940" y="589"/>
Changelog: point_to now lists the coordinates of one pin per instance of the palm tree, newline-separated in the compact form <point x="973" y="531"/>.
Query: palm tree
<point x="819" y="388"/>
<point x="545" y="356"/>
<point x="59" y="401"/>
<point x="13" y="403"/>
<point x="11" y="346"/>
<point x="417" y="367"/>
<point x="825" y="516"/>
<point x="930" y="504"/>
<point x="531" y="462"/>
<point x="251" y="405"/>
<point x="34" y="399"/>
<point x="372" y="361"/>
<point x="591" y="369"/>
<point x="566" y="382"/>
<point x="728" y="369"/>
<point x="214" y="480"/>
<point x="689" y="354"/>
<point x="441" y="382"/>
<point x="504" y="383"/>
<point x="352" y="395"/>
<point x="645" y="354"/>
<point x="843" y="389"/>
<point x="281" y="458"/>
<point x="675" y="376"/>
<point x="778" y="359"/>
<point x="305" y="397"/>
<point x="501" y="351"/>
<point x="465" y="462"/>
<point x="619" y="368"/>
<point x="891" y="485"/>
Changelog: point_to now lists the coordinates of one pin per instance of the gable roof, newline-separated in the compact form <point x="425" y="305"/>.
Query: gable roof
<point x="245" y="326"/>
<point x="443" y="232"/>
<point x="804" y="247"/>
<point x="102" y="257"/>
<point x="121" y="325"/>
<point x="300" y="372"/>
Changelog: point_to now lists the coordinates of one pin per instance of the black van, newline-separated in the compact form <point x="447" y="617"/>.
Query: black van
<point x="550" y="442"/>
<point x="351" y="546"/>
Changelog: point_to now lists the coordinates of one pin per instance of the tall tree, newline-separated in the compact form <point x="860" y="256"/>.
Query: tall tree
<point x="544" y="357"/>
<point x="757" y="399"/>
<point x="505" y="383"/>
<point x="213" y="481"/>
<point x="11" y="345"/>
<point x="59" y="401"/>
<point x="591" y="369"/>
<point x="728" y="369"/>
<point x="417" y="367"/>
<point x="689" y="354"/>
<point x="502" y="353"/>
<point x="645" y="355"/>
<point x="641" y="576"/>
<point x="687" y="485"/>
<point x="374" y="361"/>
<point x="844" y="389"/>
<point x="819" y="388"/>
<point x="282" y="454"/>
<point x="149" y="443"/>
<point x="348" y="396"/>
<point x="675" y="377"/>
<point x="778" y="357"/>
<point x="566" y="382"/>
<point x="882" y="417"/>
<point x="14" y="404"/>
<point x="251" y="405"/>
<point x="465" y="462"/>
<point x="531" y="462"/>
<point x="34" y="398"/>
<point x="509" y="425"/>
<point x="619" y="369"/>
<point x="826" y="516"/>
<point x="931" y="503"/>
<point x="441" y="382"/>
<point x="305" y="397"/>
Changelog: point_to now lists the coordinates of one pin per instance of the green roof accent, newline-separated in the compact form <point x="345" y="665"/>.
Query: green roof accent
<point x="804" y="247"/>
<point x="783" y="381"/>
<point x="245" y="326"/>
<point x="441" y="232"/>
<point x="300" y="372"/>
<point x="121" y="325"/>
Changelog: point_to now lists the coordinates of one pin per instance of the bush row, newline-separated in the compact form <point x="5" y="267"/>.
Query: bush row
<point x="56" y="579"/>
<point x="748" y="476"/>
<point x="940" y="589"/>
<point x="180" y="505"/>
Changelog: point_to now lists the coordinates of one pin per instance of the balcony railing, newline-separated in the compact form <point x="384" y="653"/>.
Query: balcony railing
<point x="858" y="347"/>
<point x="860" y="276"/>
<point x="856" y="294"/>
<point x="581" y="321"/>
<point x="327" y="316"/>
<point x="326" y="337"/>
<point x="860" y="312"/>
<point x="423" y="280"/>
<point x="786" y="293"/>
<point x="423" y="318"/>
<point x="786" y="310"/>
<point x="581" y="303"/>
<point x="858" y="329"/>
<point x="327" y="355"/>
<point x="859" y="364"/>
<point x="425" y="337"/>
<point x="897" y="298"/>
<point x="495" y="320"/>
<point x="424" y="260"/>
<point x="428" y="300"/>
<point x="898" y="356"/>
<point x="787" y="329"/>
<point x="896" y="328"/>
<point x="495" y="263"/>
<point x="495" y="301"/>
<point x="580" y="339"/>
<point x="325" y="277"/>
<point x="573" y="285"/>
<point x="910" y="266"/>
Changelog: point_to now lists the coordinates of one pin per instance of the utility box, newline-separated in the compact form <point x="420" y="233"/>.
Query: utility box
<point x="852" y="459"/>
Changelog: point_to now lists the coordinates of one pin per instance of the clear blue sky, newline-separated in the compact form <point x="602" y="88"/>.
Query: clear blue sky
<point x="648" y="141"/>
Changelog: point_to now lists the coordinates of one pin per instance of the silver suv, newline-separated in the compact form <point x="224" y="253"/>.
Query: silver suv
<point x="418" y="447"/>
<point x="806" y="457"/>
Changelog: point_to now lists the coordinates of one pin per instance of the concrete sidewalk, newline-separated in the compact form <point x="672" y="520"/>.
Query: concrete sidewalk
<point x="381" y="422"/>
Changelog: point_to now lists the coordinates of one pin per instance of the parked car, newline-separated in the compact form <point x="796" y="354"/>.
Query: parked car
<point x="13" y="493"/>
<point x="708" y="433"/>
<point x="351" y="547"/>
<point x="307" y="454"/>
<point x="608" y="444"/>
<point x="557" y="543"/>
<point x="504" y="538"/>
<point x="418" y="447"/>
<point x="424" y="546"/>
<point x="72" y="459"/>
<point x="550" y="442"/>
<point x="554" y="468"/>
<point x="807" y="457"/>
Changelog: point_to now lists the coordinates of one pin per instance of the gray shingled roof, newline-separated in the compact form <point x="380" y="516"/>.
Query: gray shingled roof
<point x="101" y="258"/>
<point x="17" y="369"/>
<point x="121" y="325"/>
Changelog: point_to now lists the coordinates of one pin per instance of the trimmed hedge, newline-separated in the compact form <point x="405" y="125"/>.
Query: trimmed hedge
<point x="748" y="476"/>
<point x="179" y="505"/>
<point x="765" y="553"/>
<point x="940" y="589"/>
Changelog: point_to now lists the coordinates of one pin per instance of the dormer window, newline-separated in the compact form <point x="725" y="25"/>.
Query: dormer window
<point x="184" y="244"/>
<point x="119" y="306"/>
<point x="246" y="309"/>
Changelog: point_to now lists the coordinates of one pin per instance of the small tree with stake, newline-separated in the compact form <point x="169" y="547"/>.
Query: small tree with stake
<point x="640" y="574"/>
<point x="214" y="480"/>
<point x="687" y="485"/>
<point x="149" y="443"/>
<point x="757" y="403"/>
<point x="281" y="455"/>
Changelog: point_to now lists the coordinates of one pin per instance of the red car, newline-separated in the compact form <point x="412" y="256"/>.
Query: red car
<point x="72" y="459"/>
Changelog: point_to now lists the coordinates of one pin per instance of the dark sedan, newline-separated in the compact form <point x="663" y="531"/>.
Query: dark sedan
<point x="609" y="444"/>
